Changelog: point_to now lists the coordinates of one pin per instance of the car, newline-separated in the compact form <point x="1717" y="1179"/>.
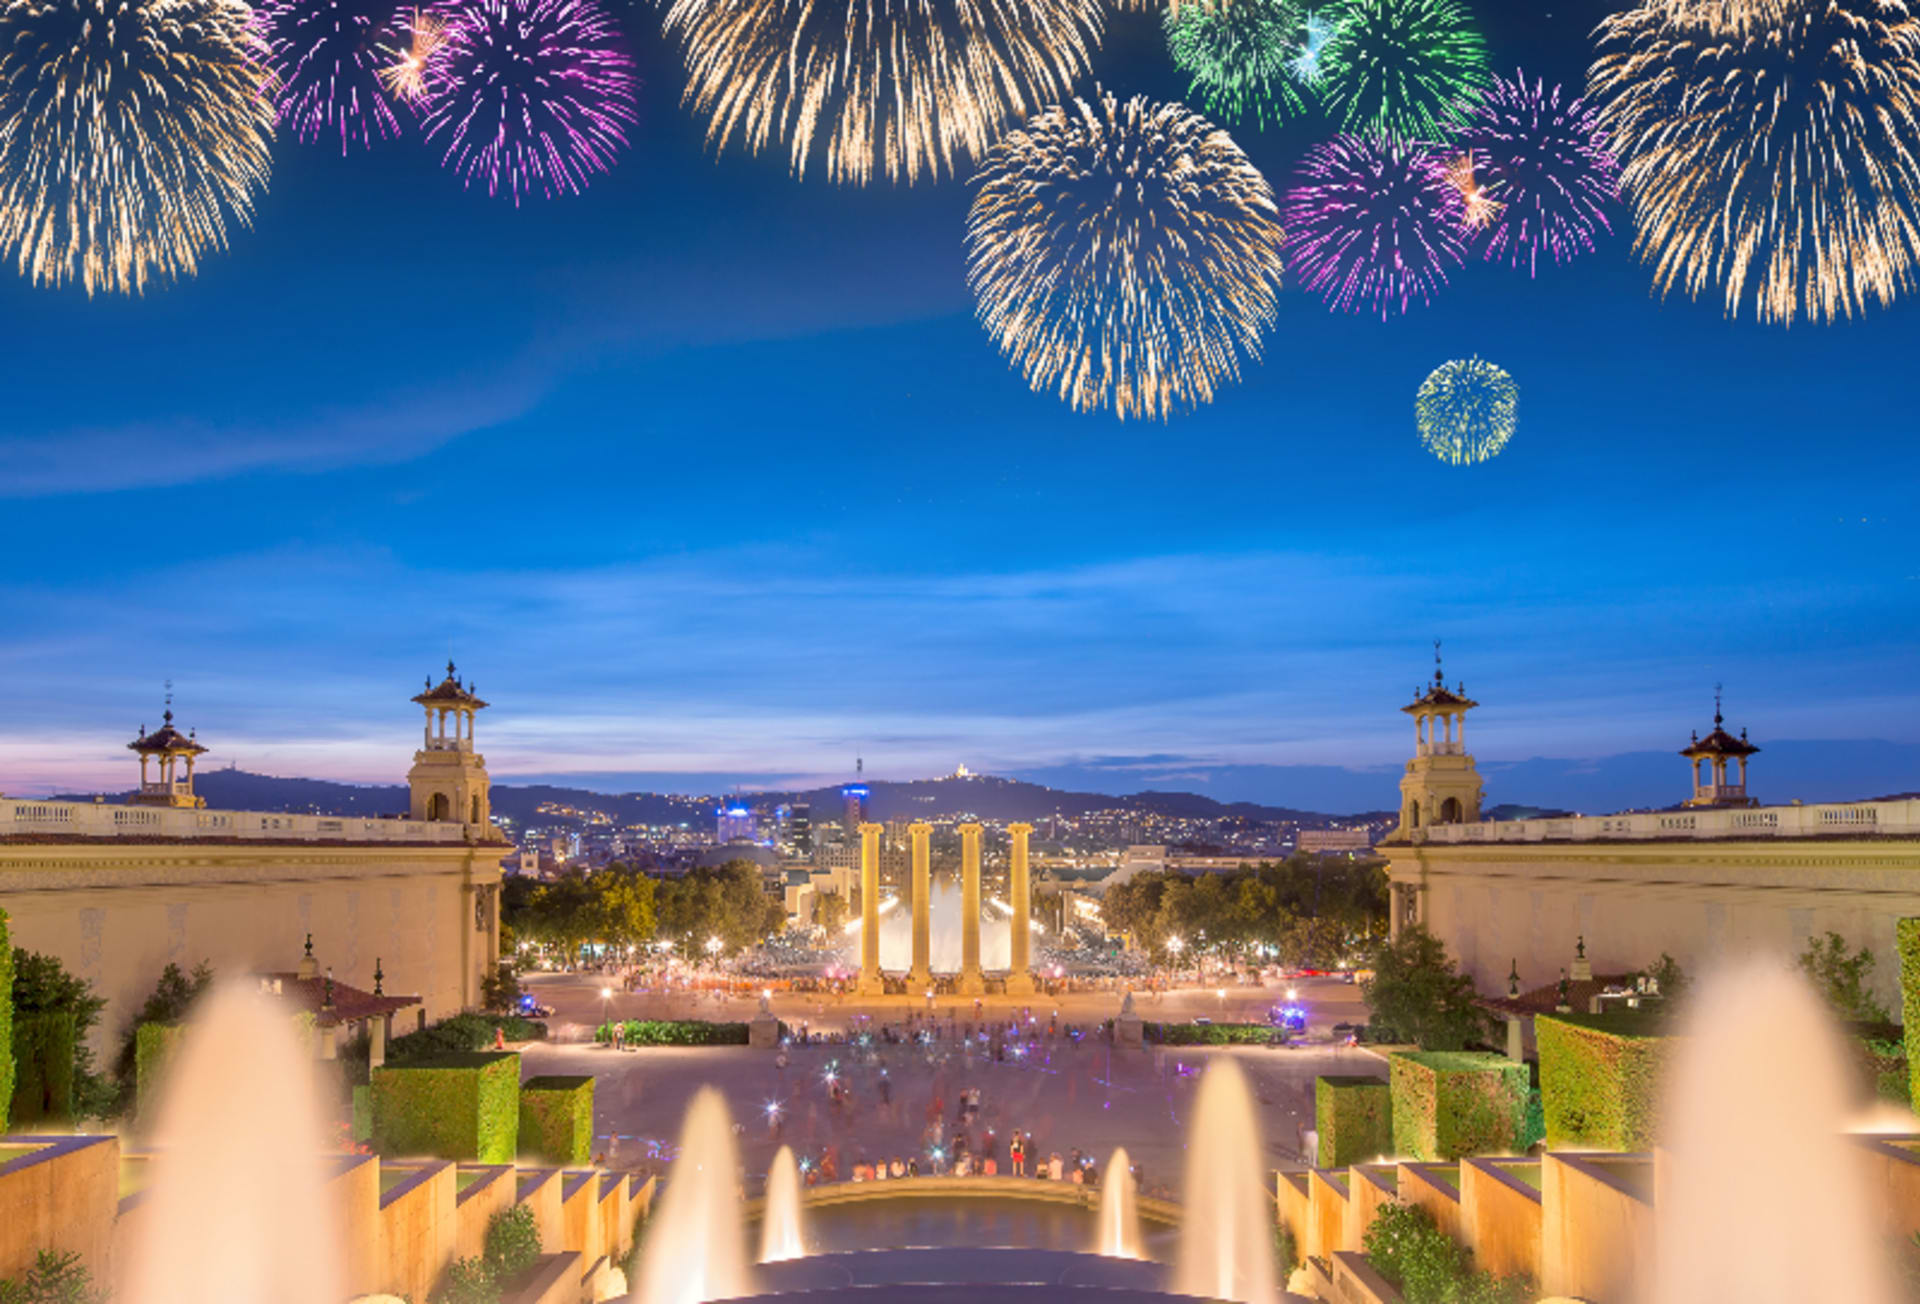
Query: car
<point x="1203" y="1021"/>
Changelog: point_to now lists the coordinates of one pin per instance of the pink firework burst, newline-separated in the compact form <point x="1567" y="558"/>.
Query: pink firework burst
<point x="530" y="96"/>
<point x="1373" y="223"/>
<point x="1549" y="165"/>
<point x="326" y="57"/>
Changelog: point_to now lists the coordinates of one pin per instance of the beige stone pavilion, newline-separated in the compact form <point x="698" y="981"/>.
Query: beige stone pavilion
<point x="972" y="980"/>
<point x="1717" y="876"/>
<point x="116" y="892"/>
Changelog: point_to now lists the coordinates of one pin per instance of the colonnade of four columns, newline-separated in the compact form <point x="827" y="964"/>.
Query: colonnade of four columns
<point x="973" y="980"/>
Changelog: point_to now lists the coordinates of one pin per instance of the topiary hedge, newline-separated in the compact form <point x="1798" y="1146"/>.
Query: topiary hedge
<point x="454" y="1107"/>
<point x="556" y="1119"/>
<point x="6" y="1022"/>
<point x="1907" y="936"/>
<point x="1354" y="1117"/>
<point x="1600" y="1077"/>
<point x="462" y="1034"/>
<point x="1452" y="1103"/>
<point x="677" y="1032"/>
<point x="154" y="1045"/>
<point x="43" y="1046"/>
<point x="1211" y="1034"/>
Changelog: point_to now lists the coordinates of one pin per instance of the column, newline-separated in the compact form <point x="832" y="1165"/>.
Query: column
<point x="972" y="981"/>
<point x="920" y="977"/>
<point x="376" y="1041"/>
<point x="870" y="980"/>
<point x="1020" y="896"/>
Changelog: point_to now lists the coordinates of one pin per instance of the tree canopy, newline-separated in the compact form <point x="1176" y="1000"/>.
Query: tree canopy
<point x="1417" y="993"/>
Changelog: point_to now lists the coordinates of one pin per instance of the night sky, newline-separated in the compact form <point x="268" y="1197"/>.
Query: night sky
<point x="709" y="476"/>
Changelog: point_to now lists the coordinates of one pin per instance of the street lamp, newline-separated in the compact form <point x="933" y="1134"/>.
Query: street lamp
<point x="606" y="1005"/>
<point x="1174" y="945"/>
<point x="713" y="949"/>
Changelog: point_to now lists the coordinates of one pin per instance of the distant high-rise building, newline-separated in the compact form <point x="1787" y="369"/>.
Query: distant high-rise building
<point x="733" y="822"/>
<point x="800" y="828"/>
<point x="855" y="797"/>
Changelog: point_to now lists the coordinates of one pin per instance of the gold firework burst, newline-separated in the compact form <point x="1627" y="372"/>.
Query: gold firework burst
<point x="131" y="132"/>
<point x="1783" y="164"/>
<point x="1124" y="254"/>
<point x="406" y="77"/>
<point x="903" y="87"/>
<point x="1478" y="208"/>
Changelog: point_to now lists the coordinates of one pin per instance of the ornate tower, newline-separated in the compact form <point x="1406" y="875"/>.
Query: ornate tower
<point x="448" y="778"/>
<point x="169" y="749"/>
<point x="1440" y="785"/>
<point x="1707" y="758"/>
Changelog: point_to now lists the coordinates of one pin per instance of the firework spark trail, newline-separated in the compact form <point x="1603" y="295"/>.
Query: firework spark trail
<point x="327" y="57"/>
<point x="1783" y="165"/>
<point x="1466" y="411"/>
<point x="904" y="88"/>
<point x="1307" y="63"/>
<point x="1124" y="254"/>
<point x="1549" y="166"/>
<point x="1373" y="224"/>
<point x="1409" y="67"/>
<point x="1237" y="57"/>
<point x="131" y="131"/>
<point x="531" y="96"/>
<point x="406" y="77"/>
<point x="1477" y="209"/>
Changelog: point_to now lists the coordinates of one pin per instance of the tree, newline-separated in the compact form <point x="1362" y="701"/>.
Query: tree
<point x="42" y="985"/>
<point x="172" y="999"/>
<point x="1843" y="981"/>
<point x="1416" y="992"/>
<point x="830" y="912"/>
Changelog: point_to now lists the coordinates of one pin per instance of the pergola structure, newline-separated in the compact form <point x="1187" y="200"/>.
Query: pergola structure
<point x="972" y="979"/>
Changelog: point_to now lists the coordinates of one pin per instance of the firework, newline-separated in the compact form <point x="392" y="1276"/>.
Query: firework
<point x="1784" y="165"/>
<point x="327" y="56"/>
<point x="406" y="77"/>
<point x="904" y="87"/>
<point x="1373" y="224"/>
<point x="131" y="131"/>
<point x="1124" y="254"/>
<point x="1237" y="56"/>
<point x="1477" y="208"/>
<point x="1550" y="166"/>
<point x="1465" y="411"/>
<point x="530" y="95"/>
<point x="1402" y="66"/>
<point x="1316" y="31"/>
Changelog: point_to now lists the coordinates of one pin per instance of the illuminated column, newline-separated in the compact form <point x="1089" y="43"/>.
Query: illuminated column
<point x="972" y="981"/>
<point x="1020" y="979"/>
<point x="920" y="976"/>
<point x="870" y="983"/>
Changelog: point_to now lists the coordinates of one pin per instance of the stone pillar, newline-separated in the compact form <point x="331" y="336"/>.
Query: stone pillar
<point x="920" y="977"/>
<point x="871" y="983"/>
<point x="972" y="981"/>
<point x="1020" y="897"/>
<point x="376" y="1041"/>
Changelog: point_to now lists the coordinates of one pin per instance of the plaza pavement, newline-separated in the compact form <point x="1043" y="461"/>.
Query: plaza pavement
<point x="1092" y="1095"/>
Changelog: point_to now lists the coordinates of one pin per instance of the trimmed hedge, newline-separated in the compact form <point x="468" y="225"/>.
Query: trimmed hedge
<point x="677" y="1032"/>
<point x="556" y="1119"/>
<point x="1906" y="934"/>
<point x="454" y="1107"/>
<point x="43" y="1056"/>
<point x="1600" y="1078"/>
<point x="1452" y="1103"/>
<point x="1354" y="1117"/>
<point x="1211" y="1034"/>
<point x="6" y="1021"/>
<point x="154" y="1045"/>
<point x="460" y="1035"/>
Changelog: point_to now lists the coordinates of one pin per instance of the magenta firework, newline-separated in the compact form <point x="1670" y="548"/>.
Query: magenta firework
<point x="1548" y="166"/>
<point x="530" y="96"/>
<point x="1373" y="223"/>
<point x="327" y="56"/>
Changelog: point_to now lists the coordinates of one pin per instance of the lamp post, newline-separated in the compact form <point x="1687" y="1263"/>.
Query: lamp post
<point x="606" y="1007"/>
<point x="1175" y="945"/>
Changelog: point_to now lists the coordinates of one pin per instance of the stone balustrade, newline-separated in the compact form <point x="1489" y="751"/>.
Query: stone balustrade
<point x="1863" y="819"/>
<point x="25" y="820"/>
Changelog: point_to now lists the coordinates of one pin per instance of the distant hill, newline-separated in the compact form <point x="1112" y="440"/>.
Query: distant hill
<point x="985" y="796"/>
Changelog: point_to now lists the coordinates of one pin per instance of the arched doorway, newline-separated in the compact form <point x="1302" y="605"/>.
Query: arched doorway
<point x="439" y="807"/>
<point x="1450" y="811"/>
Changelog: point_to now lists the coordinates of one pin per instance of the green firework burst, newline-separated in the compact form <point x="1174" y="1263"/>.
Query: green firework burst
<point x="1237" y="55"/>
<point x="1409" y="67"/>
<point x="1466" y="411"/>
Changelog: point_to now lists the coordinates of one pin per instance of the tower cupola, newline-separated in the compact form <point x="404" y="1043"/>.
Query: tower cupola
<point x="1440" y="785"/>
<point x="170" y="754"/>
<point x="448" y="781"/>
<point x="1709" y="757"/>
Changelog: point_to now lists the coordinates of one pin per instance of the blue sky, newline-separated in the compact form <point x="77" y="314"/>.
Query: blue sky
<point x="709" y="476"/>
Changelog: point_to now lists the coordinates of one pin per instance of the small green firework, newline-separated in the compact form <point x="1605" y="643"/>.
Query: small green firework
<point x="1409" y="67"/>
<point x="1238" y="57"/>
